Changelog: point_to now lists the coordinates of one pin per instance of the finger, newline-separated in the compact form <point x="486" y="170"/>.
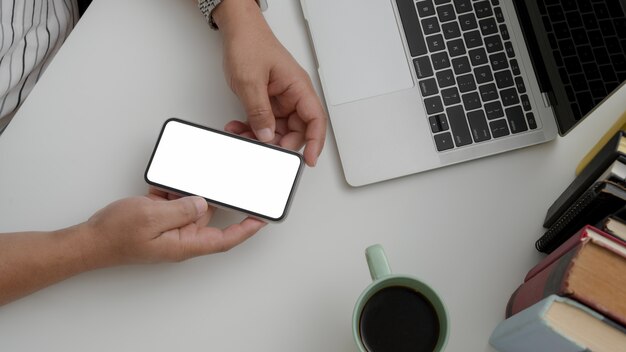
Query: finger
<point x="293" y="141"/>
<point x="204" y="220"/>
<point x="178" y="213"/>
<point x="258" y="110"/>
<point x="236" y="127"/>
<point x="213" y="240"/>
<point x="312" y="114"/>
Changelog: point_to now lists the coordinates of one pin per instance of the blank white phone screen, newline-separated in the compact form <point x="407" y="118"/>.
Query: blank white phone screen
<point x="245" y="175"/>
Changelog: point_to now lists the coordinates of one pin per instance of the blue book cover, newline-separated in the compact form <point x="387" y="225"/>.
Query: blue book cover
<point x="558" y="324"/>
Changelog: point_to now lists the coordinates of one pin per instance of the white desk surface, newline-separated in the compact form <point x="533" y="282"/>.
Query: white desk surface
<point x="84" y="136"/>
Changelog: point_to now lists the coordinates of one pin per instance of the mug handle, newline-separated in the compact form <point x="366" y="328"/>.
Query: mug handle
<point x="377" y="262"/>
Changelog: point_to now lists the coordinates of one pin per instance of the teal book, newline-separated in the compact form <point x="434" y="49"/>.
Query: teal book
<point x="558" y="324"/>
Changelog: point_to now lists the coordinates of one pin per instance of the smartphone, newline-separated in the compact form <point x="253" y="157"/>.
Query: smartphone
<point x="227" y="170"/>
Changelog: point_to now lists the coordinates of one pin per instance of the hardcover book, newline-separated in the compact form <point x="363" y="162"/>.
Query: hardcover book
<point x="558" y="324"/>
<point x="592" y="273"/>
<point x="587" y="233"/>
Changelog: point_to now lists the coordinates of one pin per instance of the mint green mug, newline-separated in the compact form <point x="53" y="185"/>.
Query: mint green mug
<point x="397" y="312"/>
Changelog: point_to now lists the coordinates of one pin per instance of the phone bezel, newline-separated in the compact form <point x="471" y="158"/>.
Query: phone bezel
<point x="213" y="201"/>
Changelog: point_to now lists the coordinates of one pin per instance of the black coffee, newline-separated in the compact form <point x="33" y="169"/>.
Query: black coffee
<point x="397" y="319"/>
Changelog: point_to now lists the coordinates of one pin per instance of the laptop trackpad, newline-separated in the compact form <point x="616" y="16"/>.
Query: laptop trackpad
<point x="359" y="48"/>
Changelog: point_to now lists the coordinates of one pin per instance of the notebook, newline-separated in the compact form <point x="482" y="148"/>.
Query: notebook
<point x="412" y="85"/>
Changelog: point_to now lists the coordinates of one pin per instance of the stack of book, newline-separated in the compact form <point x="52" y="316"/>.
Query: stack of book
<point x="575" y="298"/>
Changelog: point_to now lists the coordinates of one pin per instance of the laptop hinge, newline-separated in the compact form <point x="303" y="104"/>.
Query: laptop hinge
<point x="546" y="99"/>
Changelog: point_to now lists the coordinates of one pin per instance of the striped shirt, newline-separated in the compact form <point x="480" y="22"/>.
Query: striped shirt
<point x="31" y="32"/>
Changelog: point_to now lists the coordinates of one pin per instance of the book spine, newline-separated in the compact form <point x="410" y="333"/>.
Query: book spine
<point x="550" y="280"/>
<point x="580" y="236"/>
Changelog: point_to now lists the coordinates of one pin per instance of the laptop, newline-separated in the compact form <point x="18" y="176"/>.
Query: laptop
<point x="412" y="85"/>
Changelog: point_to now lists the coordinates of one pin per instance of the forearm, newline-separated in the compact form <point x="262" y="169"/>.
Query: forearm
<point x="30" y="261"/>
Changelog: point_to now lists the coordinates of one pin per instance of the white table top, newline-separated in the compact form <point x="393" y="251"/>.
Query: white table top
<point x="83" y="139"/>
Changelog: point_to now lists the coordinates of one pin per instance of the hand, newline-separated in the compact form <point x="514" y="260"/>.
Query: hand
<point x="159" y="227"/>
<point x="281" y="105"/>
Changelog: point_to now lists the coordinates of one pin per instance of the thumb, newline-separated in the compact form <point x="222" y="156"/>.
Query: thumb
<point x="180" y="212"/>
<point x="259" y="111"/>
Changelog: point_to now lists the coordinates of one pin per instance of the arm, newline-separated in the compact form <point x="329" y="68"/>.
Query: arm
<point x="132" y="230"/>
<point x="278" y="96"/>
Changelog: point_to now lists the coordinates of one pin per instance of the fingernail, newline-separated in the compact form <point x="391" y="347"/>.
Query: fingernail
<point x="264" y="134"/>
<point x="201" y="205"/>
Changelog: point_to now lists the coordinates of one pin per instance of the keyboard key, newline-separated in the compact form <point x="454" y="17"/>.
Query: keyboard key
<point x="516" y="119"/>
<point x="458" y="124"/>
<point x="478" y="56"/>
<point x="597" y="89"/>
<point x="556" y="13"/>
<point x="488" y="26"/>
<point x="461" y="65"/>
<point x="532" y="123"/>
<point x="483" y="9"/>
<point x="428" y="87"/>
<point x="478" y="126"/>
<point x="462" y="6"/>
<point x="519" y="84"/>
<point x="466" y="83"/>
<point x="601" y="11"/>
<point x="440" y="60"/>
<point x="493" y="43"/>
<point x="473" y="39"/>
<point x="590" y="21"/>
<point x="433" y="105"/>
<point x="525" y="102"/>
<point x="451" y="30"/>
<point x="499" y="128"/>
<point x="499" y="15"/>
<point x="412" y="28"/>
<point x="504" y="79"/>
<point x="471" y="101"/>
<point x="423" y="67"/>
<point x="468" y="21"/>
<point x="438" y="123"/>
<point x="567" y="47"/>
<point x="446" y="13"/>
<point x="573" y="19"/>
<point x="580" y="37"/>
<point x="430" y="26"/>
<point x="425" y="8"/>
<point x="445" y="78"/>
<point x="483" y="74"/>
<point x="561" y="30"/>
<point x="456" y="47"/>
<point x="504" y="32"/>
<point x="572" y="64"/>
<point x="509" y="97"/>
<point x="450" y="96"/>
<point x="515" y="67"/>
<point x="508" y="48"/>
<point x="494" y="110"/>
<point x="585" y="102"/>
<point x="443" y="141"/>
<point x="435" y="43"/>
<point x="498" y="61"/>
<point x="488" y="92"/>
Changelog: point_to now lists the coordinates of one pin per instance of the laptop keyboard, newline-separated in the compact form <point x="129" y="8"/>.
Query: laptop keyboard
<point x="467" y="71"/>
<point x="588" y="45"/>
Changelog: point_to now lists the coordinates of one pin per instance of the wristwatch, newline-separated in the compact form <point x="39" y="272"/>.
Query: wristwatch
<point x="207" y="7"/>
